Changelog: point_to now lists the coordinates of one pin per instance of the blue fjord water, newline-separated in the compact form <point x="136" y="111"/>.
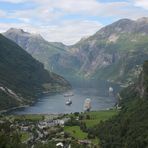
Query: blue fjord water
<point x="55" y="103"/>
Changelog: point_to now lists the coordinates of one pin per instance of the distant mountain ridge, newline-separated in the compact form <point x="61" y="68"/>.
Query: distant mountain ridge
<point x="114" y="53"/>
<point x="54" y="55"/>
<point x="108" y="54"/>
<point x="23" y="78"/>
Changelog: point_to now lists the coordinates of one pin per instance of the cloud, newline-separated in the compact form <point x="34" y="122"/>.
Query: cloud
<point x="2" y="14"/>
<point x="14" y="1"/>
<point x="56" y="8"/>
<point x="141" y="3"/>
<point x="54" y="18"/>
<point x="39" y="15"/>
<point x="68" y="32"/>
<point x="47" y="11"/>
<point x="81" y="7"/>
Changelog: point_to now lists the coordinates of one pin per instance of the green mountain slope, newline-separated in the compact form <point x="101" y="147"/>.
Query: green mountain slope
<point x="129" y="128"/>
<point x="22" y="78"/>
<point x="116" y="52"/>
<point x="55" y="56"/>
<point x="35" y="45"/>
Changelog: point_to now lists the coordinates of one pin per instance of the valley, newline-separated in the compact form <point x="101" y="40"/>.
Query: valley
<point x="115" y="53"/>
<point x="109" y="68"/>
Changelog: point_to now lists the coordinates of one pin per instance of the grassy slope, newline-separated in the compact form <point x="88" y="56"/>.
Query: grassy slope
<point x="97" y="116"/>
<point x="75" y="132"/>
<point x="94" y="118"/>
<point x="24" y="136"/>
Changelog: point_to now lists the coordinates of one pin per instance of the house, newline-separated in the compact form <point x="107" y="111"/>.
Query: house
<point x="24" y="128"/>
<point x="60" y="144"/>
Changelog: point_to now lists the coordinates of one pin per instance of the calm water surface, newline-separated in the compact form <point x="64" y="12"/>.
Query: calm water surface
<point x="56" y="103"/>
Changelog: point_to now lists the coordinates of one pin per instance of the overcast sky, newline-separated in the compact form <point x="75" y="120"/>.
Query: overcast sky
<point x="67" y="21"/>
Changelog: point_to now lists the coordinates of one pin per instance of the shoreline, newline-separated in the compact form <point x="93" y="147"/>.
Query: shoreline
<point x="6" y="111"/>
<point x="19" y="110"/>
<point x="13" y="108"/>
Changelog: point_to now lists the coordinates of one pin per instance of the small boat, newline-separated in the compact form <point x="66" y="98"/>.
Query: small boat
<point x="68" y="102"/>
<point x="110" y="89"/>
<point x="87" y="104"/>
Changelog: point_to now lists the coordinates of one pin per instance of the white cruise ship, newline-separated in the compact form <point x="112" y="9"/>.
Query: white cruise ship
<point x="87" y="104"/>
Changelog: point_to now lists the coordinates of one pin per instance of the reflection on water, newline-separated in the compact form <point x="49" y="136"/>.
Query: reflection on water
<point x="56" y="103"/>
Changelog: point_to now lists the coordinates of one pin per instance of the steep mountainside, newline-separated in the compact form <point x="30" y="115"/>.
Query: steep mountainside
<point x="129" y="128"/>
<point x="35" y="44"/>
<point x="116" y="52"/>
<point x="54" y="55"/>
<point x="22" y="78"/>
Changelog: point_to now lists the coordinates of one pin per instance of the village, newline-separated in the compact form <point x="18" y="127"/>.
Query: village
<point x="37" y="128"/>
<point x="62" y="130"/>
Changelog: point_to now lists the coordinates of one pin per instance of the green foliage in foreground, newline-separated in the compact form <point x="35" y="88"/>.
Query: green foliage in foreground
<point x="9" y="137"/>
<point x="145" y="71"/>
<point x="94" y="118"/>
<point x="46" y="145"/>
<point x="130" y="128"/>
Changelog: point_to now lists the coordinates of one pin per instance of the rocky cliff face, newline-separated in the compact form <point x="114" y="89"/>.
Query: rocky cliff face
<point x="115" y="52"/>
<point x="142" y="85"/>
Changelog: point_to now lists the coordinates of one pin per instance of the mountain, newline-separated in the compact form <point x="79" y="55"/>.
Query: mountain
<point x="114" y="53"/>
<point x="35" y="44"/>
<point x="129" y="128"/>
<point x="22" y="78"/>
<point x="54" y="55"/>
